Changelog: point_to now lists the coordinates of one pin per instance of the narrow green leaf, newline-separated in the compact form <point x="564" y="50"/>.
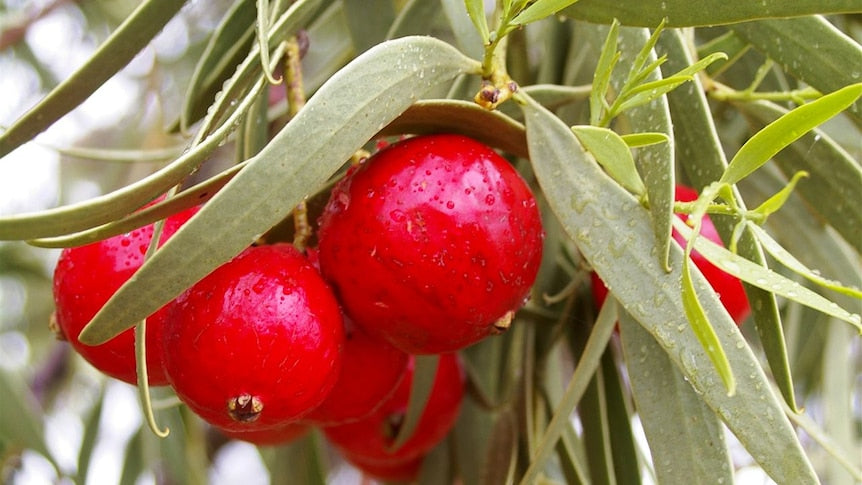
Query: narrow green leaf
<point x="344" y="114"/>
<point x="424" y="373"/>
<point x="702" y="328"/>
<point x="634" y="140"/>
<point x="784" y="257"/>
<point x="227" y="47"/>
<point x="701" y="156"/>
<point x="700" y="13"/>
<point x="777" y="135"/>
<point x="834" y="174"/>
<point x="767" y="279"/>
<point x="112" y="206"/>
<point x="124" y="43"/>
<point x="656" y="162"/>
<point x="540" y="9"/>
<point x="263" y="32"/>
<point x="467" y="37"/>
<point x="777" y="201"/>
<point x="133" y="459"/>
<point x="621" y="250"/>
<point x="501" y="457"/>
<point x="91" y="431"/>
<point x="476" y="11"/>
<point x="613" y="155"/>
<point x="646" y="92"/>
<point x="416" y="17"/>
<point x="685" y="436"/>
<point x="593" y="411"/>
<point x="810" y="49"/>
<point x="608" y="58"/>
<point x="585" y="369"/>
<point x="730" y="45"/>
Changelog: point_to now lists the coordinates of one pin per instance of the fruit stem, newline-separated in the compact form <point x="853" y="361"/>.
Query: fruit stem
<point x="302" y="229"/>
<point x="293" y="75"/>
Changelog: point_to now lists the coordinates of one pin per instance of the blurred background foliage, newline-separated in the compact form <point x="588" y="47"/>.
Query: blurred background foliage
<point x="62" y="421"/>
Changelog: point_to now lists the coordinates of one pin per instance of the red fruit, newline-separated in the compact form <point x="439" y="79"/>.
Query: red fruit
<point x="370" y="439"/>
<point x="431" y="241"/>
<point x="371" y="372"/>
<point x="257" y="343"/>
<point x="270" y="437"/>
<point x="728" y="287"/>
<point x="87" y="276"/>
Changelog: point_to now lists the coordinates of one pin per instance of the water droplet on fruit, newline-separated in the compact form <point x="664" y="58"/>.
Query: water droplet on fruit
<point x="398" y="215"/>
<point x="490" y="200"/>
<point x="450" y="205"/>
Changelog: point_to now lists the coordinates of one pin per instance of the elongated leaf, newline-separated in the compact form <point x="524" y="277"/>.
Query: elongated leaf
<point x="476" y="11"/>
<point x="108" y="207"/>
<point x="621" y="250"/>
<point x="467" y="38"/>
<point x="129" y="38"/>
<point x="368" y="30"/>
<point x="693" y="13"/>
<point x="91" y="430"/>
<point x="613" y="154"/>
<point x="834" y="175"/>
<point x="685" y="436"/>
<point x="541" y="9"/>
<point x="350" y="108"/>
<point x="655" y="162"/>
<point x="790" y="261"/>
<point x="775" y="136"/>
<point x="767" y="279"/>
<point x="424" y="374"/>
<point x="811" y="49"/>
<point x="227" y="47"/>
<point x="701" y="155"/>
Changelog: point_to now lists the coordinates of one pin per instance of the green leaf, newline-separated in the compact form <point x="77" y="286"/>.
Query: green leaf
<point x="608" y="59"/>
<point x="656" y="162"/>
<point x="124" y="43"/>
<point x="810" y="49"/>
<point x="613" y="155"/>
<point x="700" y="13"/>
<point x="834" y="174"/>
<point x="263" y="33"/>
<point x="476" y="11"/>
<point x="112" y="206"/>
<point x="701" y="156"/>
<point x="91" y="431"/>
<point x="344" y="114"/>
<point x="634" y="140"/>
<point x="621" y="250"/>
<point x="424" y="374"/>
<point x="227" y="47"/>
<point x="540" y="9"/>
<point x="685" y="437"/>
<point x="788" y="260"/>
<point x="766" y="279"/>
<point x="584" y="370"/>
<point x="467" y="38"/>
<point x="777" y="135"/>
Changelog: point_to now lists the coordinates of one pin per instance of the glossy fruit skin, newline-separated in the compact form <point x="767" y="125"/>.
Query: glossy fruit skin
<point x="371" y="371"/>
<point x="257" y="343"/>
<point x="728" y="287"/>
<point x="272" y="436"/>
<point x="430" y="241"/>
<point x="369" y="439"/>
<point x="87" y="276"/>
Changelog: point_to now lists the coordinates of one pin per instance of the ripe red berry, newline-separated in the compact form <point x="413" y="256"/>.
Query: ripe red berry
<point x="431" y="241"/>
<point x="370" y="439"/>
<point x="257" y="343"/>
<point x="371" y="371"/>
<point x="87" y="276"/>
<point x="728" y="287"/>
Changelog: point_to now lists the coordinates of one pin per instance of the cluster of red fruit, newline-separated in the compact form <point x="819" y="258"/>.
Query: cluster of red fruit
<point x="427" y="247"/>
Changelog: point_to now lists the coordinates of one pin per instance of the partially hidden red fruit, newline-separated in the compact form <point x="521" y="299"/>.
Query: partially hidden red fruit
<point x="257" y="343"/>
<point x="728" y="287"/>
<point x="371" y="371"/>
<point x="87" y="276"/>
<point x="370" y="440"/>
<point x="271" y="436"/>
<point x="431" y="242"/>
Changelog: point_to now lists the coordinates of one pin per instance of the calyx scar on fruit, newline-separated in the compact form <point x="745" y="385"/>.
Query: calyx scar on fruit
<point x="87" y="276"/>
<point x="431" y="241"/>
<point x="257" y="343"/>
